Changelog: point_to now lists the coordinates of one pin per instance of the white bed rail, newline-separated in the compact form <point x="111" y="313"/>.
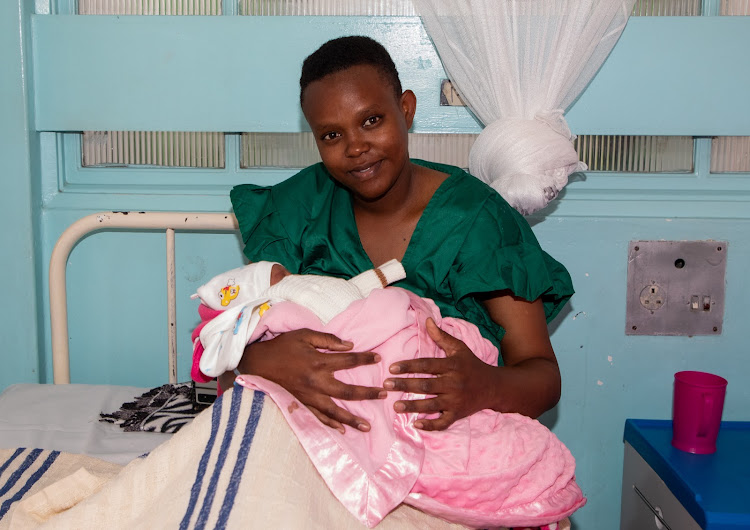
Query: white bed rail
<point x="167" y="221"/>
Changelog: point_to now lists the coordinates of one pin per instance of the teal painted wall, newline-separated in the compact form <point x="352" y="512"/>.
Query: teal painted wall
<point x="116" y="282"/>
<point x="19" y="214"/>
<point x="607" y="376"/>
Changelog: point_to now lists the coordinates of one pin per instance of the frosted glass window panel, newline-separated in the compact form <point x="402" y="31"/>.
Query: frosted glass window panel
<point x="327" y="7"/>
<point x="298" y="150"/>
<point x="149" y="148"/>
<point x="614" y="154"/>
<point x="730" y="154"/>
<point x="667" y="8"/>
<point x="450" y="149"/>
<point x="734" y="7"/>
<point x="149" y="7"/>
<point x="290" y="150"/>
<point x="636" y="154"/>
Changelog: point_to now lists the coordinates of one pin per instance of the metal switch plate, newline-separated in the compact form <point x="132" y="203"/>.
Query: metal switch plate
<point x="675" y="287"/>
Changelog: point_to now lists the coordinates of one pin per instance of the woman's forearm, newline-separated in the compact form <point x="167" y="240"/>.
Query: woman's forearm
<point x="226" y="380"/>
<point x="530" y="387"/>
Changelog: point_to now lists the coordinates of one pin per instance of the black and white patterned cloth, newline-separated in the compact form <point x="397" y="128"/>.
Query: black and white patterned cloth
<point x="165" y="409"/>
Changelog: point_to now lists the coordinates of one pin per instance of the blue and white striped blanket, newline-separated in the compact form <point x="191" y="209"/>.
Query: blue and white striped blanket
<point x="21" y="471"/>
<point x="237" y="465"/>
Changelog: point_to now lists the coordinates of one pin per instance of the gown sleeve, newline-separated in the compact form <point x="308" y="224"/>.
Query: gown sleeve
<point x="501" y="252"/>
<point x="262" y="226"/>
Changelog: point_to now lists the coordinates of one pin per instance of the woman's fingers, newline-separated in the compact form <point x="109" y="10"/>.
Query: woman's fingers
<point x="429" y="405"/>
<point x="334" y="416"/>
<point x="451" y="391"/>
<point x="347" y="392"/>
<point x="326" y="341"/>
<point x="337" y="361"/>
<point x="420" y="385"/>
<point x="342" y="361"/>
<point x="447" y="342"/>
<point x="294" y="361"/>
<point x="325" y="420"/>
<point x="432" y="366"/>
<point x="444" y="421"/>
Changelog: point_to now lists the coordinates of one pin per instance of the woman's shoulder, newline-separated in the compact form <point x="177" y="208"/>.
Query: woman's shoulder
<point x="304" y="194"/>
<point x="465" y="183"/>
<point x="288" y="204"/>
<point x="310" y="179"/>
<point x="476" y="199"/>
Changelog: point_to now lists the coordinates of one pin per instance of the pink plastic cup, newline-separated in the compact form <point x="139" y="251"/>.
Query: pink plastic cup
<point x="696" y="411"/>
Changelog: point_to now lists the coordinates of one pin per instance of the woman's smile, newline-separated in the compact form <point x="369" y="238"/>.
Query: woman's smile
<point x="366" y="171"/>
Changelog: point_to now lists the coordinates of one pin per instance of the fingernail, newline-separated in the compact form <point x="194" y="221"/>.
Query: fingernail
<point x="399" y="406"/>
<point x="376" y="357"/>
<point x="363" y="427"/>
<point x="347" y="343"/>
<point x="382" y="394"/>
<point x="395" y="369"/>
<point x="418" y="424"/>
<point x="389" y="384"/>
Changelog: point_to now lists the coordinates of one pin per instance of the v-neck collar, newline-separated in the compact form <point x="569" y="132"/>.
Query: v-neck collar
<point x="432" y="204"/>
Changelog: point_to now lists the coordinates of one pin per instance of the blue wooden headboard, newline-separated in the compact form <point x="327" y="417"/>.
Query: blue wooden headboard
<point x="241" y="73"/>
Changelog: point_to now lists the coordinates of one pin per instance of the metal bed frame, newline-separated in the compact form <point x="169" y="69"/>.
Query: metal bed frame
<point x="167" y="221"/>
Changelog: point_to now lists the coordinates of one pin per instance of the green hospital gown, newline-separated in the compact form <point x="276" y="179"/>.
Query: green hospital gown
<point x="468" y="241"/>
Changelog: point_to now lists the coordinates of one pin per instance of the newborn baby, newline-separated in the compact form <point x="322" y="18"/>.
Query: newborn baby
<point x="245" y="293"/>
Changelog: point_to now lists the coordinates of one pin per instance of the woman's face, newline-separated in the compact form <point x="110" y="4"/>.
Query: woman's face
<point x="361" y="129"/>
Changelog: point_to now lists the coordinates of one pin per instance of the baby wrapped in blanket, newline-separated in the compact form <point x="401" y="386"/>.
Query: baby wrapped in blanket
<point x="489" y="469"/>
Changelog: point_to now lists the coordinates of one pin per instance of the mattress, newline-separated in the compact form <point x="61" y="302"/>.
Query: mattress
<point x="66" y="418"/>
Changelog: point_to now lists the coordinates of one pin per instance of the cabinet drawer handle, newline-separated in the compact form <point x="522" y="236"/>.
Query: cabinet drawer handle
<point x="654" y="509"/>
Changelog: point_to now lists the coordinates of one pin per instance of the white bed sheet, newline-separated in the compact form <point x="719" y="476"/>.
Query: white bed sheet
<point x="66" y="418"/>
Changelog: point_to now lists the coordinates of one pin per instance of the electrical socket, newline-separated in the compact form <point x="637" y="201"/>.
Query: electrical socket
<point x="652" y="297"/>
<point x="675" y="287"/>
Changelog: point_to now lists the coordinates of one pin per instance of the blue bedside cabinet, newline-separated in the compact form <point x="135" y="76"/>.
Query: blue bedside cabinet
<point x="665" y="488"/>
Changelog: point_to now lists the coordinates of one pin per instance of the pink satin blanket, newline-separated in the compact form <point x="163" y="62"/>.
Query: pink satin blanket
<point x="489" y="469"/>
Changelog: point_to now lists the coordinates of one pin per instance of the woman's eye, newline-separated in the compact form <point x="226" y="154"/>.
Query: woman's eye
<point x="372" y="120"/>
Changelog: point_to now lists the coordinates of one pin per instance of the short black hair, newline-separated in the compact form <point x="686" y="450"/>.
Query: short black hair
<point x="342" y="53"/>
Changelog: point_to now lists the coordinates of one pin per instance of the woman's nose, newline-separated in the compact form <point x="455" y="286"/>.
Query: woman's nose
<point x="356" y="145"/>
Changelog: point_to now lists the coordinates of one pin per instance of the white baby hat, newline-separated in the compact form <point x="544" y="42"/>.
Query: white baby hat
<point x="239" y="293"/>
<point x="237" y="286"/>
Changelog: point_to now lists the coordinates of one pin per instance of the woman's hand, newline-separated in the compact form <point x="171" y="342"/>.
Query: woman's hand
<point x="460" y="384"/>
<point x="528" y="383"/>
<point x="293" y="361"/>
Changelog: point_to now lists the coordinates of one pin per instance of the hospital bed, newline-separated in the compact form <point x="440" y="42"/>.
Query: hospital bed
<point x="65" y="416"/>
<point x="48" y="432"/>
